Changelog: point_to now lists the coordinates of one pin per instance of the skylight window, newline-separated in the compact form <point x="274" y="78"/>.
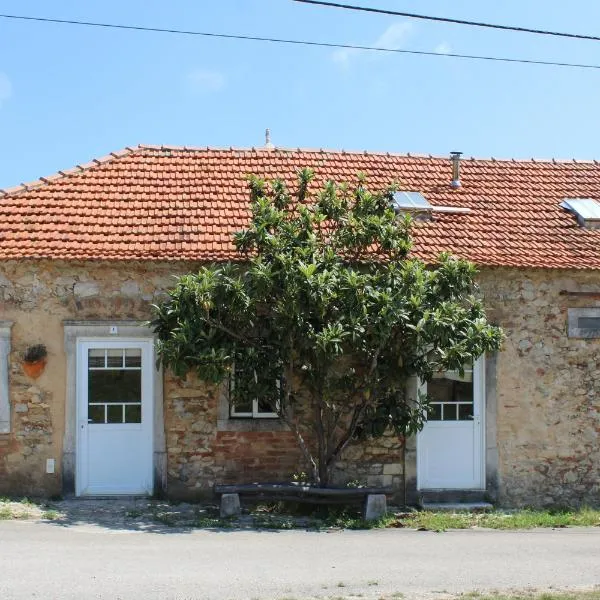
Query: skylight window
<point x="586" y="210"/>
<point x="413" y="202"/>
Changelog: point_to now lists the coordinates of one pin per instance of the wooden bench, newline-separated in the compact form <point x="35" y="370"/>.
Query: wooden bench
<point x="374" y="500"/>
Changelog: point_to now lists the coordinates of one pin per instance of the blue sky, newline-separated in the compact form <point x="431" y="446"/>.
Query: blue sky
<point x="68" y="94"/>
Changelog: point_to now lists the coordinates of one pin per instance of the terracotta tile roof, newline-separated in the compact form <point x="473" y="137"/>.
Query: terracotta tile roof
<point x="168" y="203"/>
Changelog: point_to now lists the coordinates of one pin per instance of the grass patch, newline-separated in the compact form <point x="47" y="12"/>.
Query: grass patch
<point x="351" y="521"/>
<point x="572" y="595"/>
<point x="206" y="522"/>
<point x="50" y="515"/>
<point x="164" y="518"/>
<point x="23" y="508"/>
<point x="277" y="518"/>
<point x="268" y="521"/>
<point x="522" y="519"/>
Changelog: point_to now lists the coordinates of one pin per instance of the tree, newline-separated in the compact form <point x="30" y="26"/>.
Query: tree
<point x="325" y="317"/>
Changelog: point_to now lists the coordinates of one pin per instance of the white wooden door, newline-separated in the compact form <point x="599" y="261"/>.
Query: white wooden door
<point x="450" y="448"/>
<point x="114" y="417"/>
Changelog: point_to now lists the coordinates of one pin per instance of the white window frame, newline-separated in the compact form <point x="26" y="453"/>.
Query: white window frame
<point x="5" y="329"/>
<point x="255" y="414"/>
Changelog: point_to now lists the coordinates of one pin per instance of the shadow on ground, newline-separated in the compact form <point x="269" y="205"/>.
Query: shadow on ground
<point x="149" y="516"/>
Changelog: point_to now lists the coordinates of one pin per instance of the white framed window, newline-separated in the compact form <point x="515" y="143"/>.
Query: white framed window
<point x="451" y="396"/>
<point x="584" y="322"/>
<point x="252" y="408"/>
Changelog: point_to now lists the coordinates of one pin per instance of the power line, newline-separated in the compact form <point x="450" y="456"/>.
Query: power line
<point x="383" y="11"/>
<point x="304" y="42"/>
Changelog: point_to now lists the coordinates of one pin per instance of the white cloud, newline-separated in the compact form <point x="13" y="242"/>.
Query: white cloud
<point x="443" y="48"/>
<point x="5" y="88"/>
<point x="393" y="37"/>
<point x="204" y="80"/>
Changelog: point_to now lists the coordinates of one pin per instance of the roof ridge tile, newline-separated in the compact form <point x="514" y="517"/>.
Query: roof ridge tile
<point x="344" y="151"/>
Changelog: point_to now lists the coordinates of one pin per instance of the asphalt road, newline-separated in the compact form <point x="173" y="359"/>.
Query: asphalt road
<point x="48" y="561"/>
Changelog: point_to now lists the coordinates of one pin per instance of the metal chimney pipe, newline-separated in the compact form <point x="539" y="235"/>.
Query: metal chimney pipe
<point x="455" y="158"/>
<point x="268" y="143"/>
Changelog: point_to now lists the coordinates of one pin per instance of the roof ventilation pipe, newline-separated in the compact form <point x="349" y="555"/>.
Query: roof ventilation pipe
<point x="268" y="143"/>
<point x="455" y="158"/>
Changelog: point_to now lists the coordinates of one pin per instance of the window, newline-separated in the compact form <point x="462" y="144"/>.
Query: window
<point x="587" y="211"/>
<point x="244" y="403"/>
<point x="451" y="396"/>
<point x="114" y="385"/>
<point x="584" y="322"/>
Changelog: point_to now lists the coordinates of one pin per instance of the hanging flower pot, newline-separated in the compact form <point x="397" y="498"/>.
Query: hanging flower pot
<point x="34" y="360"/>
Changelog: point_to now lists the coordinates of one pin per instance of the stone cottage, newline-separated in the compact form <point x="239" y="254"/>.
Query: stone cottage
<point x="84" y="254"/>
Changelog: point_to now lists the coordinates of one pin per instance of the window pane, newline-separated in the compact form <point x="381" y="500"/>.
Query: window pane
<point x="133" y="357"/>
<point x="242" y="406"/>
<point x="435" y="412"/>
<point x="96" y="357"/>
<point x="440" y="390"/>
<point x="589" y="323"/>
<point x="450" y="412"/>
<point x="465" y="412"/>
<point x="115" y="414"/>
<point x="114" y="358"/>
<point x="264" y="406"/>
<point x="463" y="392"/>
<point x="96" y="414"/>
<point x="133" y="414"/>
<point x="114" y="386"/>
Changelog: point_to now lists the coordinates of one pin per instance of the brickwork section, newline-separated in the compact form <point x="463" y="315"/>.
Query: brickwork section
<point x="257" y="456"/>
<point x="200" y="456"/>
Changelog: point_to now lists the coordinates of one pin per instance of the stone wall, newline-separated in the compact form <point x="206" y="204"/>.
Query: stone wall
<point x="37" y="297"/>
<point x="548" y="388"/>
<point x="203" y="448"/>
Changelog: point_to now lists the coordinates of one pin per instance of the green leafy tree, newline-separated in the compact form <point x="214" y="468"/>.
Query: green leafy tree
<point x="325" y="318"/>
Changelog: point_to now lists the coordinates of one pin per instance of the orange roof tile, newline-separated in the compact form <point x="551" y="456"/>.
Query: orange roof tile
<point x="184" y="204"/>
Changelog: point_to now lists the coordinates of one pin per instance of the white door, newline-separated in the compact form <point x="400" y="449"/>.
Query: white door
<point x="114" y="417"/>
<point x="450" y="448"/>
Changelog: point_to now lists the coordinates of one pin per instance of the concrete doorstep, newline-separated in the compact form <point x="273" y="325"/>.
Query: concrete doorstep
<point x="457" y="506"/>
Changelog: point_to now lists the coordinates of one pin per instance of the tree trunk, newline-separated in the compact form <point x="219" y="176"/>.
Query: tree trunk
<point x="321" y="450"/>
<point x="324" y="474"/>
